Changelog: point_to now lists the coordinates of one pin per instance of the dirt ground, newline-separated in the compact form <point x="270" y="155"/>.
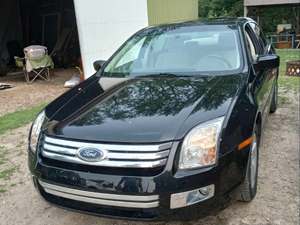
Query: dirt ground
<point x="11" y="99"/>
<point x="276" y="203"/>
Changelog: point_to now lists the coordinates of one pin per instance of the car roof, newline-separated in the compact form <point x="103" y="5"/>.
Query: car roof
<point x="226" y="20"/>
<point x="238" y="21"/>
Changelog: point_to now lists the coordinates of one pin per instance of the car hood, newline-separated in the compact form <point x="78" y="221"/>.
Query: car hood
<point x="142" y="110"/>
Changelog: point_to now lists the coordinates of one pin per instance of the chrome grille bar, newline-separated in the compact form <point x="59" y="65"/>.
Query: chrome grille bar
<point x="111" y="155"/>
<point x="130" y="201"/>
<point x="129" y="156"/>
<point x="111" y="147"/>
<point x="106" y="163"/>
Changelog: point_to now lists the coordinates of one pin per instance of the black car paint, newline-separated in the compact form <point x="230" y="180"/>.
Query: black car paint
<point x="129" y="112"/>
<point x="243" y="99"/>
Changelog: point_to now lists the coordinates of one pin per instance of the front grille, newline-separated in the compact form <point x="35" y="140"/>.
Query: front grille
<point x="127" y="201"/>
<point x="117" y="155"/>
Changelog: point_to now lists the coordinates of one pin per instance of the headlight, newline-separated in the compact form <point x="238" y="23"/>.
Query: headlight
<point x="200" y="146"/>
<point x="36" y="130"/>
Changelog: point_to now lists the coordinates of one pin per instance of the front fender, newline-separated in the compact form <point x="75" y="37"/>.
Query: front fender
<point x="239" y="126"/>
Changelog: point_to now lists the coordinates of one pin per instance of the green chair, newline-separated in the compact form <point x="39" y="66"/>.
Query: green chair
<point x="36" y="63"/>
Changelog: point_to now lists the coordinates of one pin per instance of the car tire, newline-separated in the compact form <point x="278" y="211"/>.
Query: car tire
<point x="249" y="186"/>
<point x="274" y="102"/>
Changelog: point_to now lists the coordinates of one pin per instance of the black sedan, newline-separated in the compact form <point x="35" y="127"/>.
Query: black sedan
<point x="170" y="125"/>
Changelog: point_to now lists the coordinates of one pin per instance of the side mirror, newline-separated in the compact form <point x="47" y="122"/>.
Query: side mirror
<point x="98" y="64"/>
<point x="266" y="62"/>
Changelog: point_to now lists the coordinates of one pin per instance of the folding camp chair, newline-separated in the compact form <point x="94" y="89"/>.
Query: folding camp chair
<point x="36" y="63"/>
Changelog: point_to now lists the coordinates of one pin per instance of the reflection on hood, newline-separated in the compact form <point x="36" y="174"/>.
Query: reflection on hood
<point x="143" y="109"/>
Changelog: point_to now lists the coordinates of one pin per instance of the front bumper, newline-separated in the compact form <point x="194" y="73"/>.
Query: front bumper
<point x="134" y="197"/>
<point x="124" y="201"/>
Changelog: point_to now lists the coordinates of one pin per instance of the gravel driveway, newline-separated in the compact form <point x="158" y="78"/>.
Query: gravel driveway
<point x="24" y="95"/>
<point x="277" y="201"/>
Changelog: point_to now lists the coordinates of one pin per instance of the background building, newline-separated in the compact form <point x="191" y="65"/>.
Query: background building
<point x="280" y="20"/>
<point x="80" y="31"/>
<point x="104" y="25"/>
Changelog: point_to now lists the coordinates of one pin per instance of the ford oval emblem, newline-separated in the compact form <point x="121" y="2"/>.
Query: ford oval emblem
<point x="90" y="154"/>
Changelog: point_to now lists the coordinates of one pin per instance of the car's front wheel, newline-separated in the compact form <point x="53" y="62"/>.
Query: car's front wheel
<point x="249" y="186"/>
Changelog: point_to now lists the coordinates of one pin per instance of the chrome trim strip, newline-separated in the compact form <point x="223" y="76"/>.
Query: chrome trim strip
<point x="106" y="163"/>
<point x="103" y="201"/>
<point x="109" y="147"/>
<point x="58" y="149"/>
<point x="138" y="156"/>
<point x="110" y="155"/>
<point x="137" y="198"/>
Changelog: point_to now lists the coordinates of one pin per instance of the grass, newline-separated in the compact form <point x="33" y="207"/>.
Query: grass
<point x="8" y="122"/>
<point x="3" y="153"/>
<point x="7" y="173"/>
<point x="19" y="118"/>
<point x="6" y="169"/>
<point x="283" y="100"/>
<point x="288" y="82"/>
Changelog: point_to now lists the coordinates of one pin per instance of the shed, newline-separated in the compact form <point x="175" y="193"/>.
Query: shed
<point x="104" y="25"/>
<point x="51" y="23"/>
<point x="284" y="30"/>
<point x="254" y="8"/>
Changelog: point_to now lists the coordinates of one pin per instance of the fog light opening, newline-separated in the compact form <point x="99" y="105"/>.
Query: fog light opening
<point x="205" y="190"/>
<point x="179" y="200"/>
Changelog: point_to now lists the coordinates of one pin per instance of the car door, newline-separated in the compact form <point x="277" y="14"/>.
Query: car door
<point x="272" y="71"/>
<point x="265" y="50"/>
<point x="261" y="83"/>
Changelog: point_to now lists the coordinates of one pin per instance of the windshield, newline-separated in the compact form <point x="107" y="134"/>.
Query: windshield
<point x="178" y="50"/>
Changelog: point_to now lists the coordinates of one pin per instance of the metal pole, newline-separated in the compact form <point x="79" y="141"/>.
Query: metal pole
<point x="293" y="40"/>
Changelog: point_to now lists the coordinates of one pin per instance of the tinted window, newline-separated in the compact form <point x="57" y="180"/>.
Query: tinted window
<point x="178" y="49"/>
<point x="260" y="36"/>
<point x="251" y="44"/>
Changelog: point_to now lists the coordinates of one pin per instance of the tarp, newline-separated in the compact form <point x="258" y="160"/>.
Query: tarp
<point x="10" y="27"/>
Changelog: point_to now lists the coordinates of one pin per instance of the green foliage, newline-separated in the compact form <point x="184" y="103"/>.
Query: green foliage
<point x="19" y="118"/>
<point x="220" y="8"/>
<point x="269" y="16"/>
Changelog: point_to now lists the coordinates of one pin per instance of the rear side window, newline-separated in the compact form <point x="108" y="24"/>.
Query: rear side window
<point x="260" y="36"/>
<point x="252" y="47"/>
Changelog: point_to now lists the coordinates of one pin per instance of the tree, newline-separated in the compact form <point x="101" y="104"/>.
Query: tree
<point x="269" y="16"/>
<point x="220" y="8"/>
